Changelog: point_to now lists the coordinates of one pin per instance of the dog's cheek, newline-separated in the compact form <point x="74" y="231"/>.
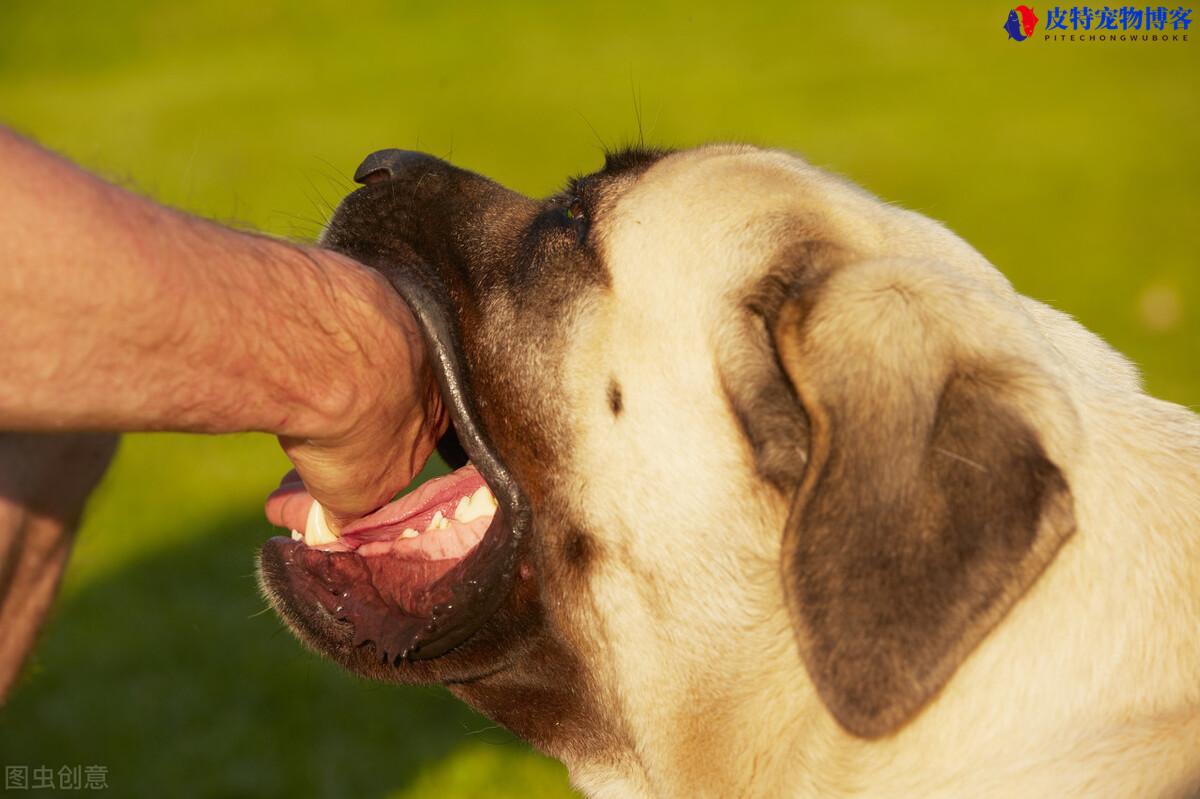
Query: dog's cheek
<point x="539" y="686"/>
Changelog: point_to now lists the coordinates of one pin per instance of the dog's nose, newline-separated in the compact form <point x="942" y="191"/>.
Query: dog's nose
<point x="386" y="164"/>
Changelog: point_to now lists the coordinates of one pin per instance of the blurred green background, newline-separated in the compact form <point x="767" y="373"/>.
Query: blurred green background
<point x="1071" y="166"/>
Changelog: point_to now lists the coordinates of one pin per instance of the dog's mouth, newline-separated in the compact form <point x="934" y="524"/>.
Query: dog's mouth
<point x="419" y="576"/>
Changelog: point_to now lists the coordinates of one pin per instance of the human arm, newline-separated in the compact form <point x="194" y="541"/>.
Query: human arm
<point x="117" y="313"/>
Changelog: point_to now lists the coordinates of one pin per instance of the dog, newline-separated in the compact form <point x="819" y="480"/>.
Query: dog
<point x="774" y="489"/>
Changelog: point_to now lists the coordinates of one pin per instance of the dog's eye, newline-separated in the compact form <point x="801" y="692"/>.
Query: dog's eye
<point x="575" y="211"/>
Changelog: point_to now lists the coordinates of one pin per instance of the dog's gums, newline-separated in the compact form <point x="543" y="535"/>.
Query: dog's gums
<point x="393" y="562"/>
<point x="443" y="518"/>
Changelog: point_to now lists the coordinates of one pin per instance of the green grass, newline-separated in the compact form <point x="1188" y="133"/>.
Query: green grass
<point x="1072" y="167"/>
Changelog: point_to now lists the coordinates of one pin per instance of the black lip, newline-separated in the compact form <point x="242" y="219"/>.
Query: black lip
<point x="489" y="570"/>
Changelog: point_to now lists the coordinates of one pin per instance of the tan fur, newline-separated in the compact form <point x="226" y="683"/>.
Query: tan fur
<point x="1088" y="686"/>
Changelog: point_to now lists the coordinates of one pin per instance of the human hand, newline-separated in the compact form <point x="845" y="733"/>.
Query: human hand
<point x="394" y="418"/>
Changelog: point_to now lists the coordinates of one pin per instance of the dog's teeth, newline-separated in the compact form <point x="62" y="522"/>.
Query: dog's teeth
<point x="463" y="508"/>
<point x="479" y="504"/>
<point x="297" y="535"/>
<point x="316" y="530"/>
<point x="438" y="522"/>
<point x="409" y="533"/>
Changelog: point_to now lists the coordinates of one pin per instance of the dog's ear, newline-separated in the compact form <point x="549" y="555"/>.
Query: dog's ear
<point x="928" y="504"/>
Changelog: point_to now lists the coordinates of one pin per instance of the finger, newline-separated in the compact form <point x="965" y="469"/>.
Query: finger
<point x="292" y="478"/>
<point x="288" y="507"/>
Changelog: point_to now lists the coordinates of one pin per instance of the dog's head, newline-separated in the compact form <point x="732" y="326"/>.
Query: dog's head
<point x="748" y="427"/>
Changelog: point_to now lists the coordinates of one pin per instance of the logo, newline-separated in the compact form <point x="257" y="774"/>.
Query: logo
<point x="1102" y="24"/>
<point x="1020" y="23"/>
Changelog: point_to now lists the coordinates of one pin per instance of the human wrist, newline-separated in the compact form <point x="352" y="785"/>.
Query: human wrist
<point x="359" y="340"/>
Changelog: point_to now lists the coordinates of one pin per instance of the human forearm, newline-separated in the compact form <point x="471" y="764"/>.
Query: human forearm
<point x="119" y="314"/>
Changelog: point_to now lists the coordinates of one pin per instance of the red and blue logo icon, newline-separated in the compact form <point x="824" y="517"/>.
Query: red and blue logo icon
<point x="1020" y="23"/>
